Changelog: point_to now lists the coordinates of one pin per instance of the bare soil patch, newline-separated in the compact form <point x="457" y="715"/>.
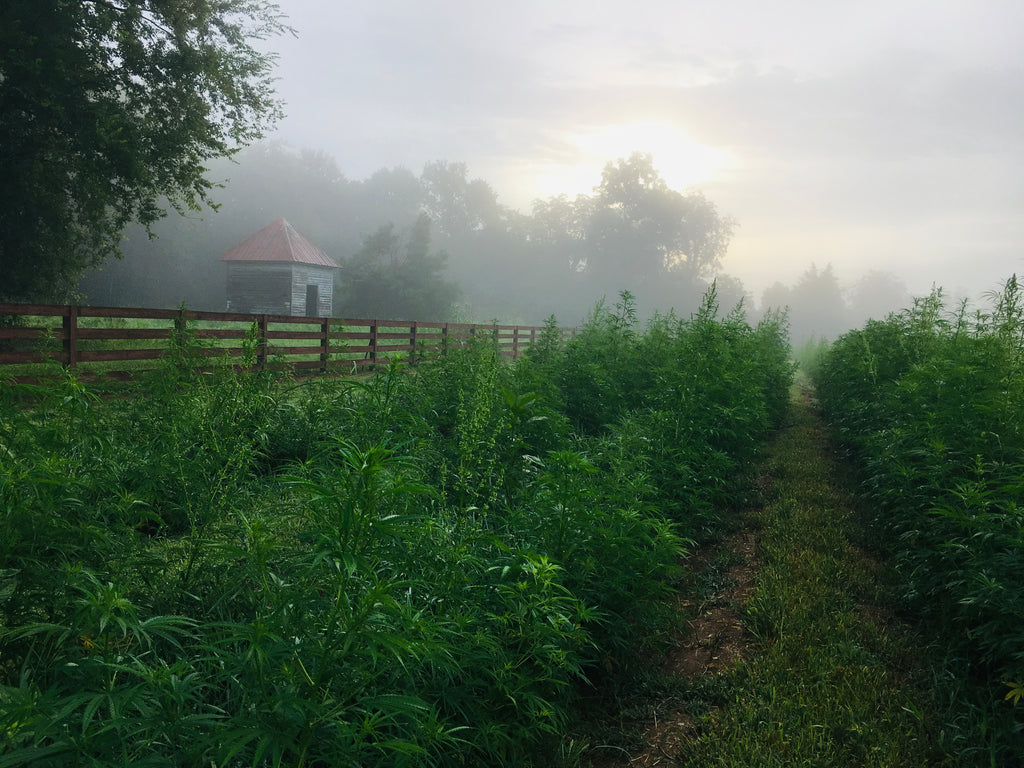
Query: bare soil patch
<point x="712" y="640"/>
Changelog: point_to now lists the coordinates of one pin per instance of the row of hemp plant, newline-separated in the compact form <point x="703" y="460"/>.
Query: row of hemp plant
<point x="424" y="568"/>
<point x="930" y="405"/>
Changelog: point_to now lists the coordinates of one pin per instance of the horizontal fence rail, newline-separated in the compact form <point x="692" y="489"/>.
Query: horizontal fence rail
<point x="102" y="339"/>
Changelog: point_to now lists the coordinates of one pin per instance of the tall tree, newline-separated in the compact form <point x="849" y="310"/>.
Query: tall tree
<point x="109" y="111"/>
<point x="560" y="225"/>
<point x="390" y="194"/>
<point x="875" y="295"/>
<point x="640" y="229"/>
<point x="395" y="276"/>
<point x="456" y="204"/>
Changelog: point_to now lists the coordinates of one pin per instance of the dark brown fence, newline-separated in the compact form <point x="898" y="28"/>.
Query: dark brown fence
<point x="104" y="339"/>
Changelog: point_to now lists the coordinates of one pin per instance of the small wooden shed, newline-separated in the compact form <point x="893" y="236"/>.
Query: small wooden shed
<point x="279" y="271"/>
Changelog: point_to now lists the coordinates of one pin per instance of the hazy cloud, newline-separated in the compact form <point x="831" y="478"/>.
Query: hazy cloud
<point x="868" y="134"/>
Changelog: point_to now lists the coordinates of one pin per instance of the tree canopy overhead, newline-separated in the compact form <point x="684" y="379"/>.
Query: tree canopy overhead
<point x="107" y="109"/>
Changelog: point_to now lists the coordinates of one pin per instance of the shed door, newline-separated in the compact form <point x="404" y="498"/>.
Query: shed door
<point x="312" y="300"/>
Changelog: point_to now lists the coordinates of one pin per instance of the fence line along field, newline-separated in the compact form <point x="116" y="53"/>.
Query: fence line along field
<point x="103" y="339"/>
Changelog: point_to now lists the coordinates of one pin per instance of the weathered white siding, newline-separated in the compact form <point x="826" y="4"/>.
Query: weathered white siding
<point x="275" y="288"/>
<point x="323" y="279"/>
<point x="259" y="288"/>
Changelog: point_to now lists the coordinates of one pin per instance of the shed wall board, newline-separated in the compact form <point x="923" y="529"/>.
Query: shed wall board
<point x="278" y="288"/>
<point x="323" y="278"/>
<point x="259" y="288"/>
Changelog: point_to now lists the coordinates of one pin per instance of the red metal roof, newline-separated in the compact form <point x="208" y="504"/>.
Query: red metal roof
<point x="279" y="241"/>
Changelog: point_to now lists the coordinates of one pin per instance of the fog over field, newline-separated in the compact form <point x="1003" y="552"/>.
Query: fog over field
<point x="873" y="135"/>
<point x="475" y="161"/>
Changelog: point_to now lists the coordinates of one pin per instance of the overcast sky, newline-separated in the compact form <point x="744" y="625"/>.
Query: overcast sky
<point x="877" y="134"/>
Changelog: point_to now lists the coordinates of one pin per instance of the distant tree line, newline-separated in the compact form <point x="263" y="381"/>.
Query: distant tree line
<point x="437" y="243"/>
<point x="820" y="308"/>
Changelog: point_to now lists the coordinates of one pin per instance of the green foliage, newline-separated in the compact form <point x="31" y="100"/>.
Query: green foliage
<point x="810" y="355"/>
<point x="701" y="390"/>
<point x="421" y="568"/>
<point x="108" y="110"/>
<point x="383" y="279"/>
<point x="598" y="373"/>
<point x="930" y="404"/>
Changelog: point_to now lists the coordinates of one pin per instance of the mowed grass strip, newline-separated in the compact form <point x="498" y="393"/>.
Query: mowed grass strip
<point x="836" y="679"/>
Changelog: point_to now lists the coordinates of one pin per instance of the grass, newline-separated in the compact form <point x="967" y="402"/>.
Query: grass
<point x="835" y="678"/>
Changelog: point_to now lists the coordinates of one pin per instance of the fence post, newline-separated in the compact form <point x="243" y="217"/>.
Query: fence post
<point x="261" y="342"/>
<point x="412" y="342"/>
<point x="325" y="343"/>
<point x="515" y="343"/>
<point x="444" y="339"/>
<point x="373" y="345"/>
<point x="70" y="324"/>
<point x="179" y="335"/>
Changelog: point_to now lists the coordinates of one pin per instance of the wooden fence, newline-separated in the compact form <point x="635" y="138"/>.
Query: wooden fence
<point x="102" y="339"/>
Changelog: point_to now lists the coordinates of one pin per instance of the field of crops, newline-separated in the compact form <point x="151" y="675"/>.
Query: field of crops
<point x="929" y="405"/>
<point x="425" y="568"/>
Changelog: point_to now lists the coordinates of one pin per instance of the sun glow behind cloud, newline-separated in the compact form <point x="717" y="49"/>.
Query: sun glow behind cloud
<point x="681" y="161"/>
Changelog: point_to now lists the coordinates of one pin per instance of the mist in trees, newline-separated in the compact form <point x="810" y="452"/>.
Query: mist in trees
<point x="395" y="276"/>
<point x="438" y="244"/>
<point x="820" y="307"/>
<point x="262" y="183"/>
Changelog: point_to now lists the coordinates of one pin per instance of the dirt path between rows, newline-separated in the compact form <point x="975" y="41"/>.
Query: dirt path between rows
<point x="830" y="674"/>
<point x="712" y="639"/>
